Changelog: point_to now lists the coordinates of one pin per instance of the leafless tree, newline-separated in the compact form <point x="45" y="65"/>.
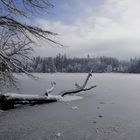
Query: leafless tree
<point x="14" y="55"/>
<point x="16" y="36"/>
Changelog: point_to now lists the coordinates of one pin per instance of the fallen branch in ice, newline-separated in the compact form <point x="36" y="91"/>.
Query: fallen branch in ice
<point x="78" y="87"/>
<point x="8" y="100"/>
<point x="51" y="89"/>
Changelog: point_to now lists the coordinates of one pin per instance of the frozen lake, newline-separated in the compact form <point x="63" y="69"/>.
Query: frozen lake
<point x="111" y="111"/>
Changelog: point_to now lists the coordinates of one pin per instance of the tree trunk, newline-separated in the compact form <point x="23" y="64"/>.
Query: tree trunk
<point x="8" y="100"/>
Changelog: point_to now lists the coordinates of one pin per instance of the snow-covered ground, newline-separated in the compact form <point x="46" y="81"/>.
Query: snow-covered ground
<point x="111" y="113"/>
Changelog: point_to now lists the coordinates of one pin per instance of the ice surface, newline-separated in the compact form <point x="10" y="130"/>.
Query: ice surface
<point x="74" y="108"/>
<point x="69" y="98"/>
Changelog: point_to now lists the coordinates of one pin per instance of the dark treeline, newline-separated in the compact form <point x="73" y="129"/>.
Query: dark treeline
<point x="61" y="63"/>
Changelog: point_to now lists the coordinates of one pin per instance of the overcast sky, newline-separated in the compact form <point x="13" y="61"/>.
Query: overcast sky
<point x="95" y="27"/>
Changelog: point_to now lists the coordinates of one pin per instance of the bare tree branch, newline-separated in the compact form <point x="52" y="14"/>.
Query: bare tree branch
<point x="13" y="55"/>
<point x="16" y="36"/>
<point x="78" y="88"/>
<point x="51" y="89"/>
<point x="28" y="6"/>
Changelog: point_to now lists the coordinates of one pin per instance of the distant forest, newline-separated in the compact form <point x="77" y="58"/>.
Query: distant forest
<point x="61" y="63"/>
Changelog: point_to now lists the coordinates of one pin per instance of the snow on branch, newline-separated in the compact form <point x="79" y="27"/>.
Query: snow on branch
<point x="14" y="56"/>
<point x="8" y="100"/>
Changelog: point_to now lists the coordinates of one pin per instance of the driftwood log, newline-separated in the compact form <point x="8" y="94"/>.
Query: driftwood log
<point x="8" y="100"/>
